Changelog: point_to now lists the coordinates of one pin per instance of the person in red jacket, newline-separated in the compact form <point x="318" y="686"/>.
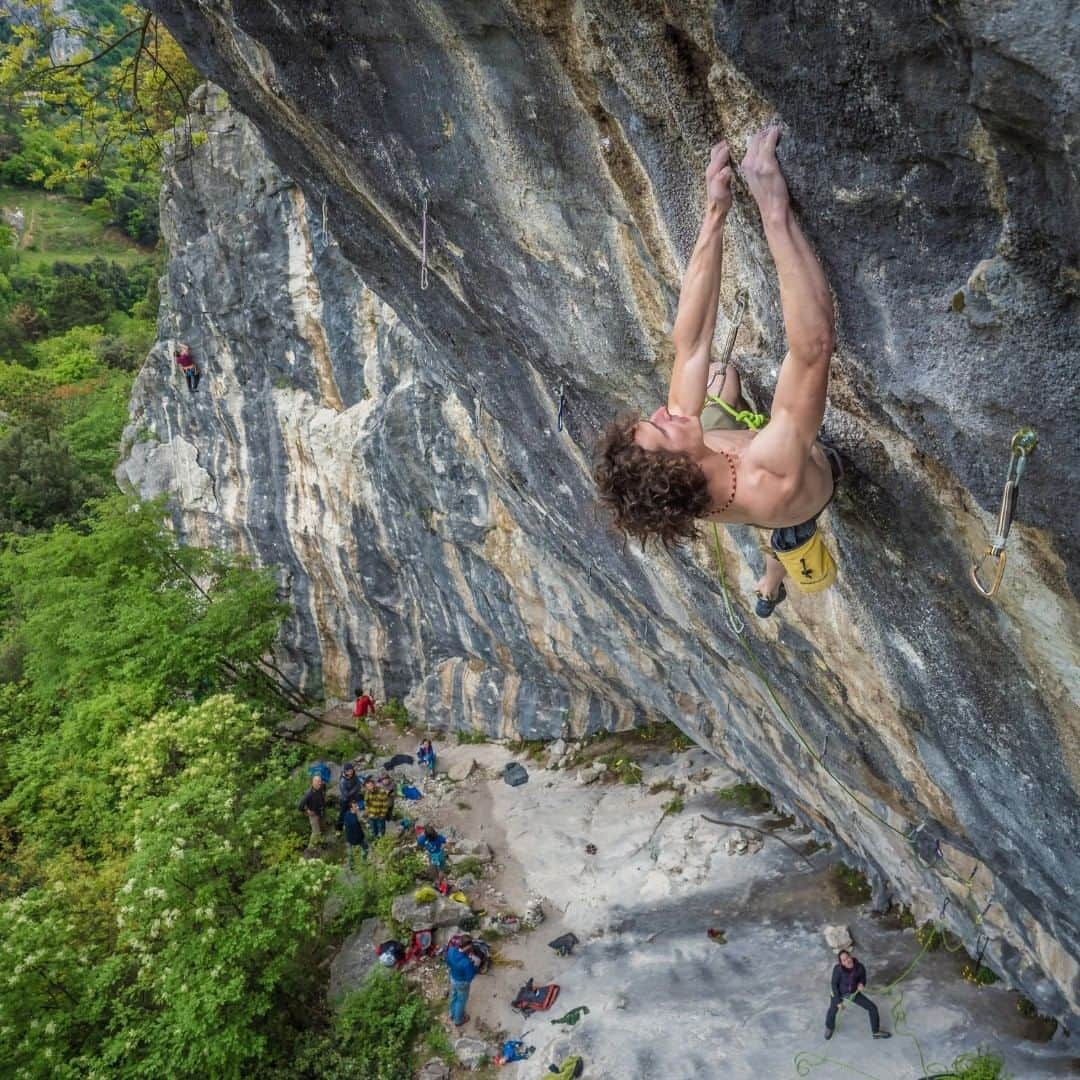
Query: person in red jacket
<point x="188" y="367"/>
<point x="365" y="705"/>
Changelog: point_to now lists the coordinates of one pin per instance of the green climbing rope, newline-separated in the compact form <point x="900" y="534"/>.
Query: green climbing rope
<point x="738" y="627"/>
<point x="747" y="417"/>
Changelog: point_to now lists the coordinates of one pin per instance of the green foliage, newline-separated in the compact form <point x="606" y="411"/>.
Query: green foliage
<point x="851" y="884"/>
<point x="70" y="357"/>
<point x="533" y="749"/>
<point x="93" y="424"/>
<point x="169" y="955"/>
<point x="394" y="711"/>
<point x="471" y="738"/>
<point x="166" y="617"/>
<point x="94" y="127"/>
<point x="388" y="871"/>
<point x="374" y="1037"/>
<point x="41" y="481"/>
<point x="470" y="864"/>
<point x="979" y="975"/>
<point x="623" y="769"/>
<point x="981" y="1065"/>
<point x="675" y="805"/>
<point x="748" y="796"/>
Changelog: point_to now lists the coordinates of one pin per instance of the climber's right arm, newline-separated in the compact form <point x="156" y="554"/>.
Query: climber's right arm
<point x="695" y="322"/>
<point x="798" y="405"/>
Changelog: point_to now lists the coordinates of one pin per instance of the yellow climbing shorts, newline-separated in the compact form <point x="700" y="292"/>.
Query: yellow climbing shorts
<point x="810" y="565"/>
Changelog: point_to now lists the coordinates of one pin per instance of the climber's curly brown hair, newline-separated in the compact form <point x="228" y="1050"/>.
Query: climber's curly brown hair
<point x="650" y="493"/>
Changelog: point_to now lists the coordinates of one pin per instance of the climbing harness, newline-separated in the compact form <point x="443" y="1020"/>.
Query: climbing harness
<point x="1022" y="446"/>
<point x="423" y="245"/>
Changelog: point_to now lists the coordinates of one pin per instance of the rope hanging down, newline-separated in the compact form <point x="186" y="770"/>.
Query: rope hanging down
<point x="1022" y="446"/>
<point x="423" y="245"/>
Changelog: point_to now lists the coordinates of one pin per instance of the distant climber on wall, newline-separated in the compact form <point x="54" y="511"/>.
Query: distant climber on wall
<point x="188" y="366"/>
<point x="661" y="475"/>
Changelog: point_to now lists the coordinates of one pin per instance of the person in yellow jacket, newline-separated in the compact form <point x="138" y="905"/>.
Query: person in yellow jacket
<point x="661" y="475"/>
<point x="378" y="805"/>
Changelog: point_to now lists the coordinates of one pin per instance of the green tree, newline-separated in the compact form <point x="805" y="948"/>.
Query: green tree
<point x="41" y="482"/>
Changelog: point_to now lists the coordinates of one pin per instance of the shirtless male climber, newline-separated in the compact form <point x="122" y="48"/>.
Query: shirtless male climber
<point x="660" y="476"/>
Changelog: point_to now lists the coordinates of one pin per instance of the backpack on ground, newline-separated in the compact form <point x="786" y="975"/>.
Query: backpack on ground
<point x="515" y="774"/>
<point x="532" y="999"/>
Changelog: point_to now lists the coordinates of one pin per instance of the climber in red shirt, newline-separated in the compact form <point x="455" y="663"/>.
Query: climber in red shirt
<point x="188" y="366"/>
<point x="365" y="705"/>
<point x="662" y="474"/>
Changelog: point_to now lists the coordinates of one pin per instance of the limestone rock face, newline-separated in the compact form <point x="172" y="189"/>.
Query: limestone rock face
<point x="416" y="460"/>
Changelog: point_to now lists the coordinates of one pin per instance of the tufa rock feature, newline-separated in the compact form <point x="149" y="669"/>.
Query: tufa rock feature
<point x="417" y="461"/>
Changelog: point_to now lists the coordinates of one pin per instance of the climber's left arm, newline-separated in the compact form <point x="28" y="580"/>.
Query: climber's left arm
<point x="695" y="322"/>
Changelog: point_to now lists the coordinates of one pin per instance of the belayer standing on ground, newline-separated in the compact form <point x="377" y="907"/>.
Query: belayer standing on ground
<point x="848" y="983"/>
<point x="188" y="367"/>
<point x="661" y="475"/>
<point x="463" y="966"/>
<point x="425" y="755"/>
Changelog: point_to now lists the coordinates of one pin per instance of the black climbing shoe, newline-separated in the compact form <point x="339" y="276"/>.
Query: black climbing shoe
<point x="764" y="606"/>
<point x="882" y="1034"/>
<point x="828" y="1034"/>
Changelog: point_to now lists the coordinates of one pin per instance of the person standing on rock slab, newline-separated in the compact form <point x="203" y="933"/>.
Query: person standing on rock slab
<point x="660" y="476"/>
<point x="462" y="965"/>
<point x="377" y="804"/>
<point x="848" y="983"/>
<point x="313" y="803"/>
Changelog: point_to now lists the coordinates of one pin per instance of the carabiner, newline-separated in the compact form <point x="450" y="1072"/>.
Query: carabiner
<point x="999" y="572"/>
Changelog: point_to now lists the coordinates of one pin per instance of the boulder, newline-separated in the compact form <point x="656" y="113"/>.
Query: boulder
<point x="422" y="916"/>
<point x="472" y="1053"/>
<point x="474" y="849"/>
<point x="355" y="959"/>
<point x="434" y="1070"/>
<point x="461" y="770"/>
<point x="838" y="937"/>
<point x="557" y="751"/>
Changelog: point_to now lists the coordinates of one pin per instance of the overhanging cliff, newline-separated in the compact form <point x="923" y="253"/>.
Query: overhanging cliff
<point x="399" y="452"/>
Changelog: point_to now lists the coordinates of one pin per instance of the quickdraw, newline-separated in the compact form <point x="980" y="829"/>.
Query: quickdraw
<point x="1022" y="446"/>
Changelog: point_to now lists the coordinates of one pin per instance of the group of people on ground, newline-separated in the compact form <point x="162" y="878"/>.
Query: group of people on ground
<point x="365" y="803"/>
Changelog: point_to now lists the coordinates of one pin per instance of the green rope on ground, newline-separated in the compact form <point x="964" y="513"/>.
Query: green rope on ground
<point x="747" y="417"/>
<point x="805" y="1061"/>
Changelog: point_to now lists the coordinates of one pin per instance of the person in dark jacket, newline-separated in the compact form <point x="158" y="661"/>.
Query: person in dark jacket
<point x="354" y="832"/>
<point x="313" y="804"/>
<point x="349" y="786"/>
<point x="462" y="967"/>
<point x="848" y="983"/>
